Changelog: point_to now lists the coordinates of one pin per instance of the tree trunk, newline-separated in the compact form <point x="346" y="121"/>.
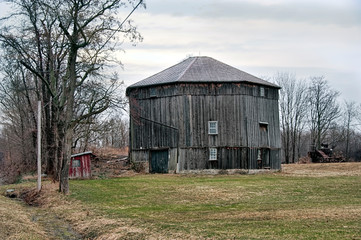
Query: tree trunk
<point x="64" y="175"/>
<point x="287" y="145"/>
<point x="294" y="143"/>
<point x="347" y="141"/>
<point x="69" y="85"/>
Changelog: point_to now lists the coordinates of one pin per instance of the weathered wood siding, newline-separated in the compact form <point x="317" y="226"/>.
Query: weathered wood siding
<point x="139" y="155"/>
<point x="176" y="116"/>
<point x="83" y="170"/>
<point x="173" y="157"/>
<point x="193" y="158"/>
<point x="233" y="158"/>
<point x="275" y="158"/>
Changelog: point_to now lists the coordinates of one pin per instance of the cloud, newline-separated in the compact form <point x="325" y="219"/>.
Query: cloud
<point x="270" y="41"/>
<point x="259" y="36"/>
<point x="344" y="13"/>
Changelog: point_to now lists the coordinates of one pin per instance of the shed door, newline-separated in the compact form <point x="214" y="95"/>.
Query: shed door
<point x="159" y="161"/>
<point x="75" y="169"/>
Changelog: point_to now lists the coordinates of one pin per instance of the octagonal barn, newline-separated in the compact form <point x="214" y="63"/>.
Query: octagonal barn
<point x="204" y="114"/>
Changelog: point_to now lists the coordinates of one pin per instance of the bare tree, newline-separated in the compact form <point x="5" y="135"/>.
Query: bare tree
<point x="109" y="131"/>
<point x="324" y="109"/>
<point x="350" y="113"/>
<point x="293" y="107"/>
<point x="18" y="116"/>
<point x="67" y="46"/>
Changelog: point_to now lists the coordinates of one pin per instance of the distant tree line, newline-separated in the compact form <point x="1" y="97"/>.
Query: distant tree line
<point x="311" y="114"/>
<point x="109" y="132"/>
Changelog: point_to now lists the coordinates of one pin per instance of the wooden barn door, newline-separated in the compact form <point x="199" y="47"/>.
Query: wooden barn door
<point x="265" y="158"/>
<point x="159" y="161"/>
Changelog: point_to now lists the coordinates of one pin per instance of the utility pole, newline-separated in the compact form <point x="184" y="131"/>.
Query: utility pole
<point x="39" y="146"/>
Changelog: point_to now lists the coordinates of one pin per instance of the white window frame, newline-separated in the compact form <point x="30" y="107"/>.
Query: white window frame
<point x="213" y="154"/>
<point x="212" y="130"/>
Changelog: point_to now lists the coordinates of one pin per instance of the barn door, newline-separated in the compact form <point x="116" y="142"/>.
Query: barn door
<point x="159" y="161"/>
<point x="263" y="158"/>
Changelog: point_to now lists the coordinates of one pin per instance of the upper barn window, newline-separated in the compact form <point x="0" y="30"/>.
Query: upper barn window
<point x="262" y="92"/>
<point x="153" y="92"/>
<point x="213" y="127"/>
<point x="263" y="126"/>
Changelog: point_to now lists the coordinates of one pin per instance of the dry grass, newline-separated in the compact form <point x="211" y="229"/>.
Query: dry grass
<point x="304" y="201"/>
<point x="301" y="202"/>
<point x="322" y="169"/>
<point x="84" y="220"/>
<point x="16" y="222"/>
<point x="108" y="152"/>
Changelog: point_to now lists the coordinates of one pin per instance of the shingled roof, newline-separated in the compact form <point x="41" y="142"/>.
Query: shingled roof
<point x="200" y="70"/>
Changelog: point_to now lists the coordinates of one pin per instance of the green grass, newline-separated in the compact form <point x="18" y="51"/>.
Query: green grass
<point x="230" y="207"/>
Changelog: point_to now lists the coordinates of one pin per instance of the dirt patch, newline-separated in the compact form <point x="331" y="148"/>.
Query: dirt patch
<point x="323" y="169"/>
<point x="54" y="226"/>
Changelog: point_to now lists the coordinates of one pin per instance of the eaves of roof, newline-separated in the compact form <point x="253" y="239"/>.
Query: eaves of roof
<point x="200" y="70"/>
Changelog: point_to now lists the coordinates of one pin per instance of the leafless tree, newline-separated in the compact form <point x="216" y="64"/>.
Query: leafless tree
<point x="350" y="113"/>
<point x="18" y="116"/>
<point x="293" y="108"/>
<point x="67" y="46"/>
<point x="324" y="109"/>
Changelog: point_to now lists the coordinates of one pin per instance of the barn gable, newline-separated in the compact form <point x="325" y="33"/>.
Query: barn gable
<point x="202" y="114"/>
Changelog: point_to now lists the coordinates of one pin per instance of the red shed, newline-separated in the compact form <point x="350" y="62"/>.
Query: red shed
<point x="80" y="165"/>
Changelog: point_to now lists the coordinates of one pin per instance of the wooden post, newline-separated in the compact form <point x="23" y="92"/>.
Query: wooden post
<point x="39" y="145"/>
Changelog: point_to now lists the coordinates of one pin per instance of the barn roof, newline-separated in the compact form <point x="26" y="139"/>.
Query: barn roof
<point x="200" y="70"/>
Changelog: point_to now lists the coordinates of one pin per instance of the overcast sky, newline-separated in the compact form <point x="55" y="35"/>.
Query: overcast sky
<point x="261" y="37"/>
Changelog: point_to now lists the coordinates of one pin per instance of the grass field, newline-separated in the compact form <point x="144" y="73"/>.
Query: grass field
<point x="315" y="201"/>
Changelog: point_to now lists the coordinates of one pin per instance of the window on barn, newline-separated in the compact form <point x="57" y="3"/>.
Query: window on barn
<point x="213" y="127"/>
<point x="75" y="163"/>
<point x="153" y="92"/>
<point x="262" y="91"/>
<point x="263" y="126"/>
<point x="212" y="153"/>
